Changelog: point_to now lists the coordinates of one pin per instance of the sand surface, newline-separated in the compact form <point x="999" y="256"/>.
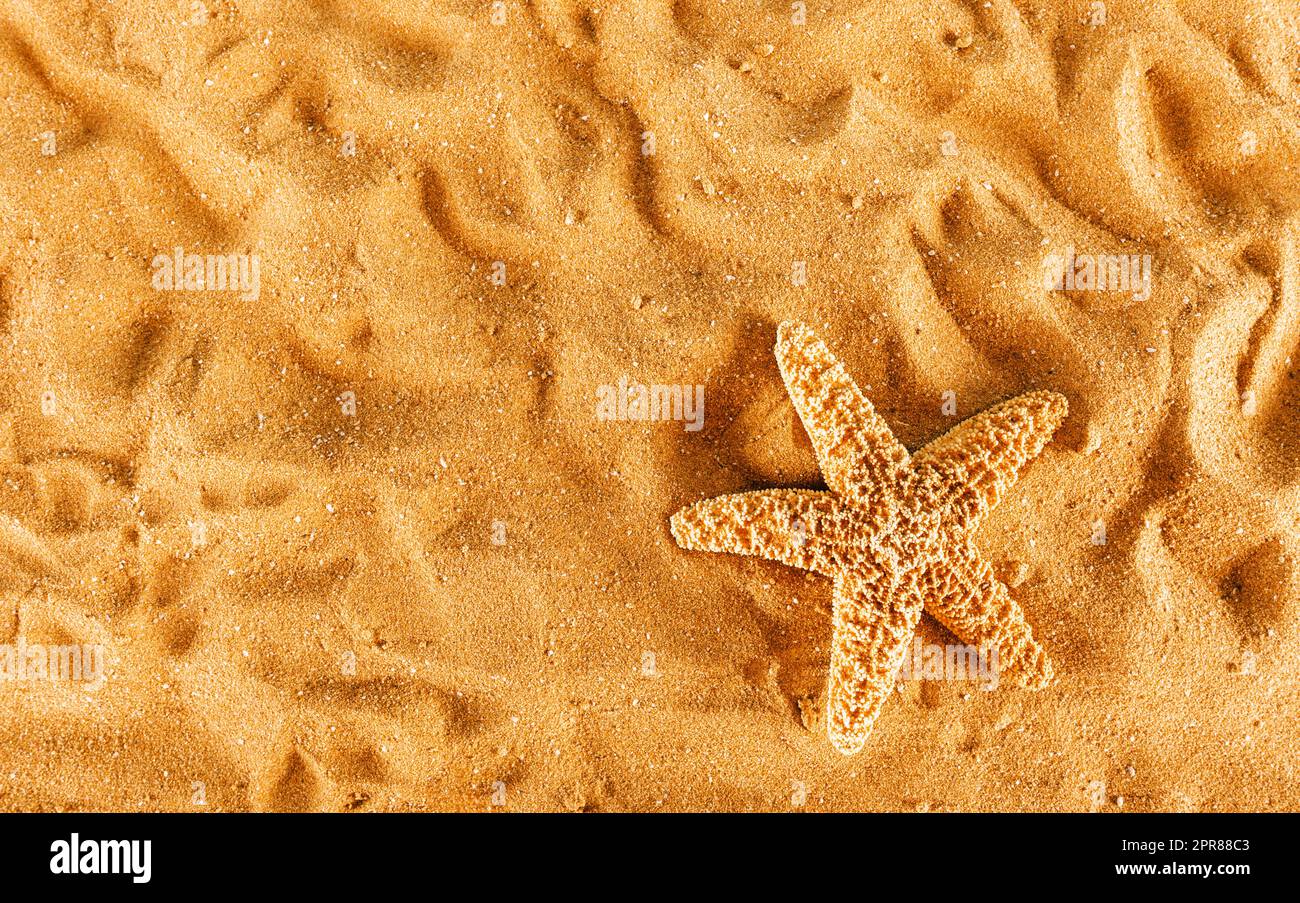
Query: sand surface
<point x="355" y="538"/>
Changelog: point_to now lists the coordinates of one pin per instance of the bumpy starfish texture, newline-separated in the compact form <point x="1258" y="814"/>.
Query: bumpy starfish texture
<point x="895" y="531"/>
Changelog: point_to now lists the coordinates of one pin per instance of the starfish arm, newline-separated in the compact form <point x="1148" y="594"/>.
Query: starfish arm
<point x="967" y="598"/>
<point x="873" y="627"/>
<point x="977" y="461"/>
<point x="791" y="526"/>
<point x="855" y="447"/>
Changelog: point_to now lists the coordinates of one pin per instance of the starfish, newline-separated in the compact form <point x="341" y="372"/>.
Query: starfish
<point x="894" y="531"/>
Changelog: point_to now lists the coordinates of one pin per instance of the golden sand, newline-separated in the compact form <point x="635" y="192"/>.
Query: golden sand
<point x="347" y="490"/>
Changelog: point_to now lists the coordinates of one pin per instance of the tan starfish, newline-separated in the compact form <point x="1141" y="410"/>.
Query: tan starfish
<point x="894" y="531"/>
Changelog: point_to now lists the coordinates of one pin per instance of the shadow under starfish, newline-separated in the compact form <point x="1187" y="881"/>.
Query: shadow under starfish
<point x="895" y="531"/>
